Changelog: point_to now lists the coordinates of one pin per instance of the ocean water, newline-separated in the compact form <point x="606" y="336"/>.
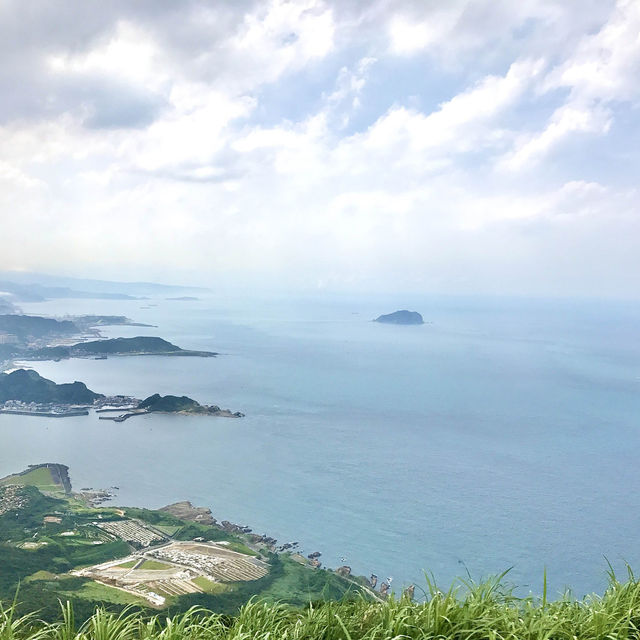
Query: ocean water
<point x="502" y="433"/>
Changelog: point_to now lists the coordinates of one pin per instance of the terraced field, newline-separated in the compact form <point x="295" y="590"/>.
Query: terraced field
<point x="214" y="561"/>
<point x="133" y="532"/>
<point x="177" y="569"/>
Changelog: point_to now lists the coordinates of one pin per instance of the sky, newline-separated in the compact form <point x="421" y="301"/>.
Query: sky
<point x="484" y="146"/>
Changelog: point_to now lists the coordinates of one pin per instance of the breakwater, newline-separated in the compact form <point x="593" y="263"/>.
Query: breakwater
<point x="47" y="414"/>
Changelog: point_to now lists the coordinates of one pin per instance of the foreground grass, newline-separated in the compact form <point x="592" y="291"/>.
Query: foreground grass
<point x="473" y="611"/>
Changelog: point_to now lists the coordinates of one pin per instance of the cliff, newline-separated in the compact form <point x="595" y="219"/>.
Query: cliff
<point x="58" y="474"/>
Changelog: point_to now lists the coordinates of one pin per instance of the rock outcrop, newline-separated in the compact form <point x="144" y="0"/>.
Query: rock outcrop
<point x="186" y="511"/>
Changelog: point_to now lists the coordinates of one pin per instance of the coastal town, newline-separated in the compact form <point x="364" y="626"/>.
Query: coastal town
<point x="67" y="410"/>
<point x="48" y="410"/>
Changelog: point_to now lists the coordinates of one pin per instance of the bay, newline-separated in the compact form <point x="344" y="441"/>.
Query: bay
<point x="502" y="433"/>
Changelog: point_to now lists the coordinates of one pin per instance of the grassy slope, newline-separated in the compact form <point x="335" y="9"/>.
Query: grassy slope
<point x="41" y="569"/>
<point x="30" y="569"/>
<point x="488" y="610"/>
<point x="40" y="478"/>
<point x="70" y="588"/>
<point x="484" y="611"/>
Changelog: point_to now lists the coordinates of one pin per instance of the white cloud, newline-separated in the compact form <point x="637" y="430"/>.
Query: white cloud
<point x="128" y="53"/>
<point x="408" y="36"/>
<point x="465" y="124"/>
<point x="571" y="118"/>
<point x="309" y="141"/>
<point x="278" y="37"/>
<point x="603" y="68"/>
<point x="189" y="134"/>
<point x="605" y="65"/>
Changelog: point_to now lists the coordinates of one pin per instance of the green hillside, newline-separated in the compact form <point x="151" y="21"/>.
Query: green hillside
<point x="170" y="404"/>
<point x="42" y="539"/>
<point x="28" y="386"/>
<point x="35" y="326"/>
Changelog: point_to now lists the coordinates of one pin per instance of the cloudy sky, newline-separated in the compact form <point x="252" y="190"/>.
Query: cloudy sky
<point x="372" y="145"/>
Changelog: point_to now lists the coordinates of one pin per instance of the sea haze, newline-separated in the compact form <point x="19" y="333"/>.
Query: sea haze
<point x="502" y="433"/>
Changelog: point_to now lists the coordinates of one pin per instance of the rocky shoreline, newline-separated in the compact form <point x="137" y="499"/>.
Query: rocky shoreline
<point x="260" y="545"/>
<point x="219" y="413"/>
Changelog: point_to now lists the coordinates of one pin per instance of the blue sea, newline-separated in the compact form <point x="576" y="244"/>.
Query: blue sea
<point x="503" y="433"/>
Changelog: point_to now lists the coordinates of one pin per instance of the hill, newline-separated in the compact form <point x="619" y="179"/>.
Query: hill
<point x="29" y="386"/>
<point x="138" y="346"/>
<point x="183" y="404"/>
<point x="35" y="326"/>
<point x="170" y="404"/>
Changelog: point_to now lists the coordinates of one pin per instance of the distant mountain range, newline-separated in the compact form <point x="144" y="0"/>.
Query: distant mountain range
<point x="36" y="287"/>
<point x="35" y="326"/>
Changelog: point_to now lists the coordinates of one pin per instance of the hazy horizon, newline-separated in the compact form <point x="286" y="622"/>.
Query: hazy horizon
<point x="468" y="148"/>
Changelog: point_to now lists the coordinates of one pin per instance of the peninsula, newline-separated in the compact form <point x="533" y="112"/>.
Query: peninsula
<point x="92" y="321"/>
<point x="401" y="317"/>
<point x="23" y="328"/>
<point x="26" y="392"/>
<point x="173" y="404"/>
<point x="39" y="338"/>
<point x="138" y="346"/>
<point x="56" y="544"/>
<point x="183" y="404"/>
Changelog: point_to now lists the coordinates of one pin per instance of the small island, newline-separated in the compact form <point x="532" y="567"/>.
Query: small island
<point x="401" y="317"/>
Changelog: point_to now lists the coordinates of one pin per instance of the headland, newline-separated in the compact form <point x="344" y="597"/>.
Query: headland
<point x="61" y="543"/>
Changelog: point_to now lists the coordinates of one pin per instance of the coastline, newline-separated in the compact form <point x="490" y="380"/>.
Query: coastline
<point x="26" y="392"/>
<point x="46" y="414"/>
<point x="172" y="551"/>
<point x="418" y="464"/>
<point x="222" y="413"/>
